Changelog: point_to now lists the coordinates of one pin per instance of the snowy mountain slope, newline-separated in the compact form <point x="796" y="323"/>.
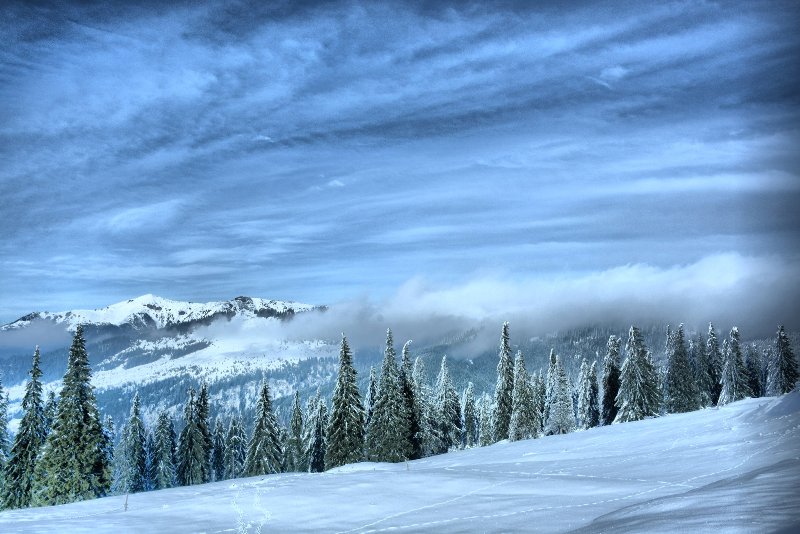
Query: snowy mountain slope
<point x="732" y="469"/>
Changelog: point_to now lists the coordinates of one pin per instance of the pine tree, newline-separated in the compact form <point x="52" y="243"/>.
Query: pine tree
<point x="164" y="450"/>
<point x="345" y="432"/>
<point x="429" y="436"/>
<point x="538" y="388"/>
<point x="5" y="441"/>
<point x="131" y="456"/>
<point x="588" y="409"/>
<point x="190" y="459"/>
<point x="470" y="417"/>
<point x="316" y="442"/>
<point x="412" y="407"/>
<point x="19" y="470"/>
<point x="702" y="370"/>
<point x="388" y="430"/>
<point x="218" y="450"/>
<point x="150" y="462"/>
<point x="202" y="412"/>
<point x="448" y="408"/>
<point x="561" y="412"/>
<point x="372" y="394"/>
<point x="784" y="376"/>
<point x="73" y="465"/>
<point x="235" y="448"/>
<point x="264" y="449"/>
<point x="734" y="373"/>
<point x="551" y="385"/>
<point x="638" y="395"/>
<point x="524" y="422"/>
<point x="752" y="365"/>
<point x="504" y="388"/>
<point x="611" y="372"/>
<point x="107" y="445"/>
<point x="50" y="411"/>
<point x="714" y="364"/>
<point x="485" y="413"/>
<point x="294" y="446"/>
<point x="682" y="394"/>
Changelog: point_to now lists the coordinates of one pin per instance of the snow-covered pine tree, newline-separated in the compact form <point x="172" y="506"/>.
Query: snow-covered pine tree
<point x="611" y="370"/>
<point x="538" y="388"/>
<point x="412" y="407"/>
<point x="504" y="389"/>
<point x="588" y="407"/>
<point x="294" y="445"/>
<point x="734" y="372"/>
<point x="523" y="411"/>
<point x="345" y="432"/>
<point x="191" y="446"/>
<point x="235" y="448"/>
<point x="150" y="462"/>
<point x="73" y="466"/>
<point x="448" y="408"/>
<point x="5" y="441"/>
<point x="485" y="426"/>
<point x="131" y="457"/>
<point x="429" y="436"/>
<point x="752" y="364"/>
<point x="202" y="412"/>
<point x="561" y="414"/>
<point x="470" y="417"/>
<point x="50" y="411"/>
<point x="714" y="364"/>
<point x="218" y="451"/>
<point x="638" y="395"/>
<point x="264" y="449"/>
<point x="702" y="370"/>
<point x="316" y="442"/>
<point x="164" y="449"/>
<point x="784" y="375"/>
<point x="19" y="470"/>
<point x="107" y="445"/>
<point x="372" y="394"/>
<point x="550" y="385"/>
<point x="682" y="393"/>
<point x="388" y="430"/>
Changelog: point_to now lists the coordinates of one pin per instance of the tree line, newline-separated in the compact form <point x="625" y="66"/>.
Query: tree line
<point x="64" y="451"/>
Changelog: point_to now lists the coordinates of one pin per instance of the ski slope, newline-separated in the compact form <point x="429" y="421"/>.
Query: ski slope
<point x="732" y="469"/>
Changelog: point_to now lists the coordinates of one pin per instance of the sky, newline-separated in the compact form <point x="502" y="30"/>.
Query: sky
<point x="445" y="158"/>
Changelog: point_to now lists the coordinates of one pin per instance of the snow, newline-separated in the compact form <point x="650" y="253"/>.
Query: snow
<point x="732" y="469"/>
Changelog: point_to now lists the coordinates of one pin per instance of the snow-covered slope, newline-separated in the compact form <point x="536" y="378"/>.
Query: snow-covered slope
<point x="732" y="469"/>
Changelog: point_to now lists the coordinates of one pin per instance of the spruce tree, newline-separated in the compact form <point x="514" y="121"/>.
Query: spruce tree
<point x="638" y="395"/>
<point x="611" y="372"/>
<point x="345" y="432"/>
<point x="784" y="375"/>
<point x="190" y="461"/>
<point x="714" y="364"/>
<point x="5" y="442"/>
<point x="218" y="450"/>
<point x="50" y="411"/>
<point x="588" y="408"/>
<point x="164" y="450"/>
<point x="107" y="445"/>
<point x="734" y="374"/>
<point x="235" y="448"/>
<point x="294" y="447"/>
<point x="19" y="470"/>
<point x="702" y="370"/>
<point x="524" y="422"/>
<point x="316" y="442"/>
<point x="150" y="462"/>
<point x="429" y="435"/>
<point x="470" y="417"/>
<point x="550" y="385"/>
<point x="538" y="388"/>
<point x="752" y="364"/>
<point x="412" y="407"/>
<point x="131" y="457"/>
<point x="264" y="449"/>
<point x="202" y="412"/>
<point x="561" y="412"/>
<point x="485" y="426"/>
<point x="682" y="394"/>
<point x="73" y="465"/>
<point x="372" y="394"/>
<point x="504" y="389"/>
<point x="388" y="430"/>
<point x="448" y="408"/>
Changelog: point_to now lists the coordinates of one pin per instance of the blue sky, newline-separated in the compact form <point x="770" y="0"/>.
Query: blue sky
<point x="342" y="151"/>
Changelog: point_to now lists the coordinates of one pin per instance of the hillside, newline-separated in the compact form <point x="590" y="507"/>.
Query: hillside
<point x="732" y="469"/>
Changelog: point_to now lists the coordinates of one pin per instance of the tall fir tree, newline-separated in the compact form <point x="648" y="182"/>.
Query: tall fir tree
<point x="5" y="442"/>
<point x="734" y="374"/>
<point x="561" y="412"/>
<point x="50" y="411"/>
<point x="471" y="423"/>
<point x="218" y="450"/>
<point x="638" y="395"/>
<point x="264" y="449"/>
<point x="485" y="414"/>
<point x="412" y="407"/>
<point x="504" y="389"/>
<point x="202" y="412"/>
<point x="784" y="375"/>
<point x="235" y="448"/>
<point x="131" y="457"/>
<point x="588" y="405"/>
<point x="388" y="430"/>
<point x="164" y="450"/>
<point x="19" y="470"/>
<point x="150" y="462"/>
<point x="429" y="435"/>
<point x="316" y="441"/>
<point x="524" y="422"/>
<point x="682" y="393"/>
<point x="538" y="387"/>
<point x="715" y="362"/>
<point x="551" y="384"/>
<point x="448" y="408"/>
<point x="702" y="370"/>
<point x="345" y="432"/>
<point x="109" y="437"/>
<point x="372" y="394"/>
<point x="190" y="461"/>
<point x="294" y="447"/>
<point x="611" y="370"/>
<point x="73" y="466"/>
<point x="752" y="364"/>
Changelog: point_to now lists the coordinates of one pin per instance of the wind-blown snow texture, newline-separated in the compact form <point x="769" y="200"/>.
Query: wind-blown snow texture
<point x="732" y="469"/>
